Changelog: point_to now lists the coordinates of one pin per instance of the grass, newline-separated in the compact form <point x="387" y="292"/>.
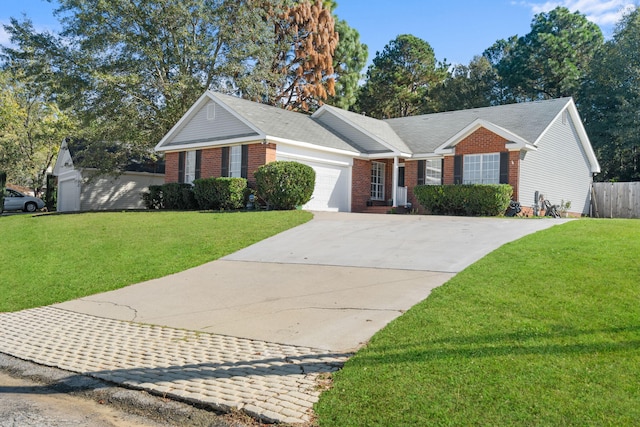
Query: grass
<point x="544" y="331"/>
<point x="54" y="258"/>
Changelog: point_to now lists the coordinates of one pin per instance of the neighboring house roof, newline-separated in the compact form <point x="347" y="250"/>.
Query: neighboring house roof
<point x="80" y="152"/>
<point x="523" y="124"/>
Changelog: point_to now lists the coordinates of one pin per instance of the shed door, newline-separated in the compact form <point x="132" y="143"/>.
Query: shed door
<point x="331" y="192"/>
<point x="68" y="196"/>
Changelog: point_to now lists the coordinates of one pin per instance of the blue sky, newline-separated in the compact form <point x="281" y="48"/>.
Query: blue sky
<point x="456" y="29"/>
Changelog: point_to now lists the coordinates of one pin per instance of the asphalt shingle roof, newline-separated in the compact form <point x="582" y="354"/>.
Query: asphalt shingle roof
<point x="277" y="122"/>
<point x="423" y="134"/>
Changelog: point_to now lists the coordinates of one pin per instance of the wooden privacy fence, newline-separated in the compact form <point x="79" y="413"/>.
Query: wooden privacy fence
<point x="615" y="200"/>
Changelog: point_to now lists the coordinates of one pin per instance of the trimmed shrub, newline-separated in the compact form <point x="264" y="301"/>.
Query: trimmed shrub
<point x="172" y="195"/>
<point x="466" y="200"/>
<point x="284" y="185"/>
<point x="220" y="193"/>
<point x="153" y="198"/>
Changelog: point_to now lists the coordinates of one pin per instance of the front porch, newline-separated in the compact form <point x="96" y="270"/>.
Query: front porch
<point x="379" y="187"/>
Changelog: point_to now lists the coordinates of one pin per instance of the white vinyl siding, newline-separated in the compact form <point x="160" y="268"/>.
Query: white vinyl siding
<point x="377" y="181"/>
<point x="211" y="123"/>
<point x="559" y="169"/>
<point x="481" y="169"/>
<point x="122" y="192"/>
<point x="433" y="172"/>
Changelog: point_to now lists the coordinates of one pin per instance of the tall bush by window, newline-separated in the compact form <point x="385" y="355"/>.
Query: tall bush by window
<point x="285" y="185"/>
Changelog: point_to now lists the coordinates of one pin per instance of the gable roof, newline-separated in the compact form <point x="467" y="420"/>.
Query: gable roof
<point x="369" y="135"/>
<point x="334" y="129"/>
<point x="267" y="123"/>
<point x="525" y="122"/>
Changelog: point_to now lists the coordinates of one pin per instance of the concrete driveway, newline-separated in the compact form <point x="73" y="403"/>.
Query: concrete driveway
<point x="328" y="284"/>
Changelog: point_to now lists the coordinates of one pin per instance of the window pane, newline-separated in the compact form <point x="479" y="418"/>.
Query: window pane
<point x="481" y="169"/>
<point x="190" y="167"/>
<point x="235" y="161"/>
<point x="377" y="181"/>
<point x="472" y="169"/>
<point x="491" y="168"/>
<point x="433" y="172"/>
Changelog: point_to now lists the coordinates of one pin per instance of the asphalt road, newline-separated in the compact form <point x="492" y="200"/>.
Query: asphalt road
<point x="37" y="396"/>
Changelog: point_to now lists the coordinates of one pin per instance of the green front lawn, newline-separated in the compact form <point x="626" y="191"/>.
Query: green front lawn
<point x="53" y="258"/>
<point x="545" y="331"/>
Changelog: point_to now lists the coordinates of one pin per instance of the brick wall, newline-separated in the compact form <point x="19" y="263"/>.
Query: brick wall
<point x="259" y="154"/>
<point x="484" y="141"/>
<point x="360" y="184"/>
<point x="171" y="167"/>
<point x="211" y="163"/>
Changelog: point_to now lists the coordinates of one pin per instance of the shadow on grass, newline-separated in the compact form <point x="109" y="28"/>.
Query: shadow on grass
<point x="565" y="342"/>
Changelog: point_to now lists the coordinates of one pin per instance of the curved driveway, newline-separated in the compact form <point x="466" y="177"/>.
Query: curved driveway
<point x="330" y="283"/>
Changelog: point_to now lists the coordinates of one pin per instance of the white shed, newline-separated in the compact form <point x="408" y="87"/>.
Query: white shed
<point x="82" y="189"/>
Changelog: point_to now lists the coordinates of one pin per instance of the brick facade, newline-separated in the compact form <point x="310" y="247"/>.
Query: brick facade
<point x="484" y="141"/>
<point x="211" y="162"/>
<point x="360" y="184"/>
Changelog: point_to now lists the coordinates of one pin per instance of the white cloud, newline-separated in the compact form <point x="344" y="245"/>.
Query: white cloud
<point x="604" y="13"/>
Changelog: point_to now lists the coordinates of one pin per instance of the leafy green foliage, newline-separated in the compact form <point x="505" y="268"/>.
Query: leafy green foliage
<point x="553" y="58"/>
<point x="172" y="195"/>
<point x="285" y="185"/>
<point x="33" y="127"/>
<point x="106" y="251"/>
<point x="467" y="200"/>
<point x="543" y="331"/>
<point x="220" y="193"/>
<point x="399" y="79"/>
<point x="349" y="60"/>
<point x="610" y="102"/>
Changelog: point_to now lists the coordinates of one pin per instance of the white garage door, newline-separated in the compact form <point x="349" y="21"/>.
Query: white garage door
<point x="331" y="192"/>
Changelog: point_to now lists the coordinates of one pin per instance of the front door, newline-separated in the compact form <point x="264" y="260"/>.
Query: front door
<point x="377" y="181"/>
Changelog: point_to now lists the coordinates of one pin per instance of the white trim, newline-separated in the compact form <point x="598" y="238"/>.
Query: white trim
<point x="310" y="145"/>
<point x="315" y="159"/>
<point x="212" y="144"/>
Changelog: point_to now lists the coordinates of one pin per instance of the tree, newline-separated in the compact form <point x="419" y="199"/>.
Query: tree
<point x="31" y="131"/>
<point x="306" y="40"/>
<point x="399" y="79"/>
<point x="467" y="86"/>
<point x="349" y="60"/>
<point x="553" y="58"/>
<point x="610" y="102"/>
<point x="131" y="68"/>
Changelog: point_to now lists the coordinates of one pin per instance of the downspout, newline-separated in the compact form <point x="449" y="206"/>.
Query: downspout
<point x="394" y="190"/>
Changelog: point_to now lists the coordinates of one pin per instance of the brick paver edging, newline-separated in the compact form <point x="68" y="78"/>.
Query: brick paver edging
<point x="272" y="382"/>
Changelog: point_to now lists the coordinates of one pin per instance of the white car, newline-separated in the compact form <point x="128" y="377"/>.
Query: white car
<point x="16" y="201"/>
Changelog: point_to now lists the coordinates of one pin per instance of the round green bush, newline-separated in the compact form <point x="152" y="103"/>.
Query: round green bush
<point x="285" y="185"/>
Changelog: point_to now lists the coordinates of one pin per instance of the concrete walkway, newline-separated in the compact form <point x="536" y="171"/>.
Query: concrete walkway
<point x="259" y="329"/>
